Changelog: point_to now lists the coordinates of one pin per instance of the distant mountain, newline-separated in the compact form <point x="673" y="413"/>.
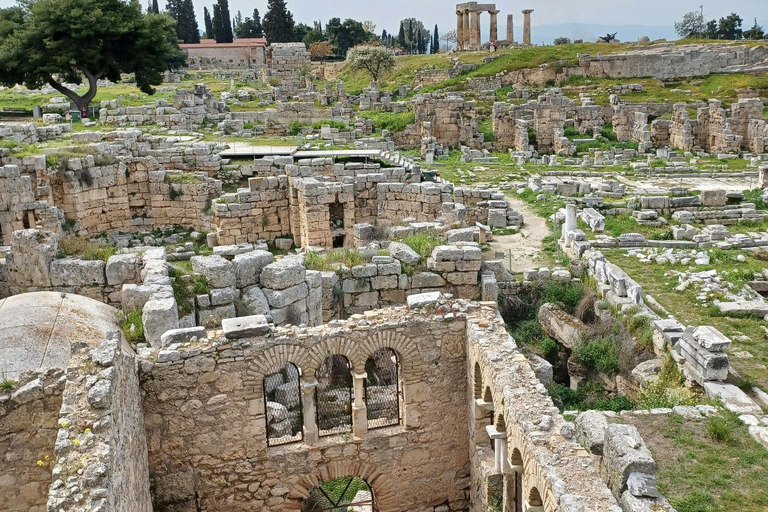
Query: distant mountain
<point x="545" y="34"/>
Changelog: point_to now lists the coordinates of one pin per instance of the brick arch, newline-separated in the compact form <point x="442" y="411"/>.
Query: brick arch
<point x="386" y="495"/>
<point x="346" y="347"/>
<point x="405" y="349"/>
<point x="478" y="382"/>
<point x="275" y="358"/>
<point x="533" y="473"/>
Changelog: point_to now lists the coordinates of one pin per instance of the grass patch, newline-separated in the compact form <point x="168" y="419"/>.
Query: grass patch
<point x="394" y="122"/>
<point x="200" y="285"/>
<point x="86" y="249"/>
<point x="132" y="327"/>
<point x="601" y="354"/>
<point x="590" y="396"/>
<point x="424" y="244"/>
<point x="182" y="178"/>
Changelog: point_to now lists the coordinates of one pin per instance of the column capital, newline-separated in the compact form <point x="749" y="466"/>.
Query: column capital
<point x="363" y="375"/>
<point x="308" y="386"/>
<point x="488" y="406"/>
<point x="494" y="12"/>
<point x="527" y="11"/>
<point x="495" y="433"/>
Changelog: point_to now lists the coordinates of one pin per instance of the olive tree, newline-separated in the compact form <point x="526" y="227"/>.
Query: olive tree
<point x="56" y="42"/>
<point x="376" y="60"/>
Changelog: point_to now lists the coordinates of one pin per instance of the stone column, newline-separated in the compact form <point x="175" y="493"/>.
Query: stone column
<point x="500" y="459"/>
<point x="460" y="30"/>
<point x="474" y="30"/>
<point x="494" y="26"/>
<point x="510" y="28"/>
<point x="308" y="411"/>
<point x="570" y="219"/>
<point x="359" y="411"/>
<point x="527" y="27"/>
<point x="465" y="30"/>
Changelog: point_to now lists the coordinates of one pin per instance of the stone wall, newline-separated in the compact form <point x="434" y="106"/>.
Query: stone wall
<point x="19" y="206"/>
<point x="101" y="448"/>
<point x="28" y="427"/>
<point x="421" y="201"/>
<point x="206" y="423"/>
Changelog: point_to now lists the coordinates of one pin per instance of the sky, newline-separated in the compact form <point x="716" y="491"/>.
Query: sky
<point x="577" y="16"/>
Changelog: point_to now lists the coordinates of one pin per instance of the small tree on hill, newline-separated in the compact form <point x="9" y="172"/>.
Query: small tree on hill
<point x="376" y="60"/>
<point x="320" y="50"/>
<point x="730" y="27"/>
<point x="562" y="40"/>
<point x="435" y="47"/>
<point x="692" y="25"/>
<point x="756" y="32"/>
<point x="61" y="41"/>
<point x="608" y="37"/>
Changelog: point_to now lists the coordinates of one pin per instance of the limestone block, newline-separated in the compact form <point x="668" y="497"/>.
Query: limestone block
<point x="245" y="326"/>
<point x="255" y="300"/>
<point x="68" y="272"/>
<point x="461" y="278"/>
<point x="713" y="198"/>
<point x="561" y="326"/>
<point x="447" y="253"/>
<point x="497" y="217"/>
<point x="283" y="298"/>
<point x="711" y="339"/>
<point x="422" y="300"/>
<point x="121" y="268"/>
<point x="182" y="335"/>
<point x="427" y="280"/>
<point x="32" y="252"/>
<point x="624" y="453"/>
<point x="158" y="316"/>
<point x="248" y="267"/>
<point x="222" y="296"/>
<point x="590" y="431"/>
<point x="219" y="271"/>
<point x="403" y="253"/>
<point x="283" y="274"/>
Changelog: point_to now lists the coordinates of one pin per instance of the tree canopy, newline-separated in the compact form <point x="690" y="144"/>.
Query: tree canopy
<point x="183" y="11"/>
<point x="250" y="27"/>
<point x="278" y="22"/>
<point x="376" y="60"/>
<point x="693" y="25"/>
<point x="61" y="41"/>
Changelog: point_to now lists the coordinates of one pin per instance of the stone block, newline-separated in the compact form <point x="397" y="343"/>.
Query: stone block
<point x="121" y="269"/>
<point x="283" y="298"/>
<point x="159" y="316"/>
<point x="624" y="453"/>
<point x="182" y="335"/>
<point x="248" y="267"/>
<point x="283" y="274"/>
<point x="590" y="431"/>
<point x="218" y="271"/>
<point x="427" y="280"/>
<point x="422" y="300"/>
<point x="245" y="326"/>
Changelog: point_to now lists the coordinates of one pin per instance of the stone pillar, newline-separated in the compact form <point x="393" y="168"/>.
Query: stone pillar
<point x="459" y="30"/>
<point x="500" y="459"/>
<point x="494" y="26"/>
<point x="474" y="30"/>
<point x="308" y="411"/>
<point x="762" y="180"/>
<point x="510" y="28"/>
<point x="527" y="27"/>
<point x="465" y="30"/>
<point x="570" y="219"/>
<point x="359" y="411"/>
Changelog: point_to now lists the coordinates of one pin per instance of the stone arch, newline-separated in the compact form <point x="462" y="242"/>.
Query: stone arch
<point x="272" y="360"/>
<point x="534" y="500"/>
<point x="334" y="395"/>
<point x="405" y="350"/>
<point x="347" y="347"/>
<point x="488" y="395"/>
<point x="516" y="459"/>
<point x="386" y="496"/>
<point x="500" y="423"/>
<point x="478" y="384"/>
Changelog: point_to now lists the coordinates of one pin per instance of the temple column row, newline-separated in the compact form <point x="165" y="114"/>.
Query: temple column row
<point x="468" y="28"/>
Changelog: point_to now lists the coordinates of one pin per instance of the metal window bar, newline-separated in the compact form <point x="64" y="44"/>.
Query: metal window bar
<point x="282" y="404"/>
<point x="333" y="396"/>
<point x="364" y="500"/>
<point x="383" y="391"/>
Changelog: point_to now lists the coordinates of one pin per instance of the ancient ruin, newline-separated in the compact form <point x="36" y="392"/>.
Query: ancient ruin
<point x="260" y="290"/>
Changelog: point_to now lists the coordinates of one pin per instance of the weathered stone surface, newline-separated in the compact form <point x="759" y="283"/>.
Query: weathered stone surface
<point x="158" y="316"/>
<point x="219" y="271"/>
<point x="69" y="272"/>
<point x="283" y="274"/>
<point x="402" y="252"/>
<point x="561" y="326"/>
<point x="255" y="300"/>
<point x="625" y="452"/>
<point x="32" y="252"/>
<point x="248" y="267"/>
<point x="121" y="268"/>
<point x="183" y="335"/>
<point x="423" y="299"/>
<point x="427" y="280"/>
<point x="642" y="485"/>
<point x="590" y="431"/>
<point x="245" y="326"/>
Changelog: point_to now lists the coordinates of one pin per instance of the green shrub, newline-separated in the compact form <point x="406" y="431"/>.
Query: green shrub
<point x="589" y="395"/>
<point x="7" y="384"/>
<point x="394" y="122"/>
<point x="295" y="128"/>
<point x="314" y="261"/>
<point x="601" y="354"/>
<point x="200" y="285"/>
<point x="86" y="249"/>
<point x="548" y="347"/>
<point x="333" y="124"/>
<point x="608" y="133"/>
<point x="132" y="327"/>
<point x="641" y="327"/>
<point x="96" y="251"/>
<point x="756" y="196"/>
<point x="567" y="296"/>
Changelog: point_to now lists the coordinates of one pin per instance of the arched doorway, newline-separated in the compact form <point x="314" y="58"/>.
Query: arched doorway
<point x="383" y="389"/>
<point x="344" y="494"/>
<point x="333" y="396"/>
<point x="282" y="403"/>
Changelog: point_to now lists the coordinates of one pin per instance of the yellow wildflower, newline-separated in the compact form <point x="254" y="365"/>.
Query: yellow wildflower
<point x="39" y="463"/>
<point x="76" y="442"/>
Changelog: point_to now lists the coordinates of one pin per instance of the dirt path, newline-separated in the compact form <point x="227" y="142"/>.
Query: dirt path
<point x="526" y="245"/>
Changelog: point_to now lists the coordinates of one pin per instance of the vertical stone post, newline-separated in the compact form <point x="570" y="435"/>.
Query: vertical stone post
<point x="500" y="459"/>
<point x="459" y="30"/>
<point x="465" y="29"/>
<point x="570" y="220"/>
<point x="308" y="411"/>
<point x="474" y="30"/>
<point x="359" y="411"/>
<point x="494" y="26"/>
<point x="527" y="27"/>
<point x="510" y="28"/>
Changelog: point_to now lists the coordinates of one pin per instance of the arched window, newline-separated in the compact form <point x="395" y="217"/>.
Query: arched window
<point x="333" y="396"/>
<point x="382" y="389"/>
<point x="282" y="397"/>
<point x="341" y="495"/>
<point x="478" y="381"/>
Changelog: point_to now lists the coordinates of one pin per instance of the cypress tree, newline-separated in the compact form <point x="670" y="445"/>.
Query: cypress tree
<point x="419" y="42"/>
<point x="435" y="41"/>
<point x="278" y="22"/>
<point x="208" y="23"/>
<point x="191" y="29"/>
<point x="216" y="23"/>
<point x="225" y="27"/>
<point x="401" y="37"/>
<point x="258" y="30"/>
<point x="155" y="7"/>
